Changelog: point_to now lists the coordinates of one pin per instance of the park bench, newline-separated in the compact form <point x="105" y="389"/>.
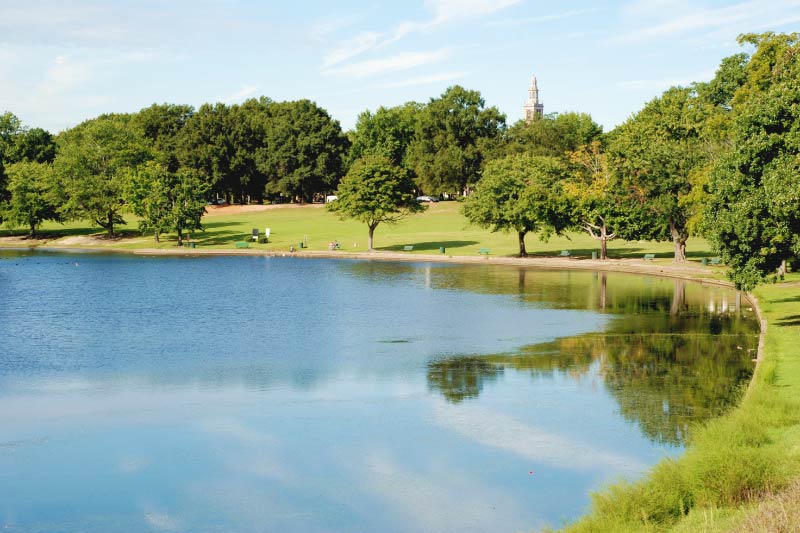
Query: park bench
<point x="485" y="251"/>
<point x="565" y="253"/>
<point x="715" y="260"/>
<point x="408" y="248"/>
<point x="649" y="257"/>
<point x="242" y="244"/>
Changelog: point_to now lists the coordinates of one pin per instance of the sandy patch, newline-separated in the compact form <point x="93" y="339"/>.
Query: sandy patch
<point x="222" y="210"/>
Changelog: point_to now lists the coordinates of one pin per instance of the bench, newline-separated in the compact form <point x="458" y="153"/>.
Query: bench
<point x="649" y="257"/>
<point x="485" y="251"/>
<point x="408" y="248"/>
<point x="564" y="253"/>
<point x="715" y="260"/>
<point x="242" y="244"/>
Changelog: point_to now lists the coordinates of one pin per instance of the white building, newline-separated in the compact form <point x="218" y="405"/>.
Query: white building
<point x="533" y="108"/>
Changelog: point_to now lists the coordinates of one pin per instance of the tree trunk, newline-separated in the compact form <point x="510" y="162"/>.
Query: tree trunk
<point x="371" y="232"/>
<point x="156" y="235"/>
<point x="781" y="269"/>
<point x="604" y="246"/>
<point x="32" y="233"/>
<point x="679" y="238"/>
<point x="110" y="224"/>
<point x="522" y="251"/>
<point x="180" y="236"/>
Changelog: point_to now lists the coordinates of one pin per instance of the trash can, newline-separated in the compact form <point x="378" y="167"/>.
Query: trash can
<point x="704" y="261"/>
<point x="300" y="244"/>
<point x="192" y="245"/>
<point x="441" y="249"/>
<point x="594" y="255"/>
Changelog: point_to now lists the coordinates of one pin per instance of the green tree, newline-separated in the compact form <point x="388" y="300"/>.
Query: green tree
<point x="167" y="201"/>
<point x="31" y="200"/>
<point x="387" y="132"/>
<point x="455" y="133"/>
<point x="754" y="209"/>
<point x="520" y="193"/>
<point x="594" y="195"/>
<point x="655" y="154"/>
<point x="375" y="190"/>
<point x="552" y="135"/>
<point x="92" y="167"/>
<point x="161" y="125"/>
<point x="304" y="150"/>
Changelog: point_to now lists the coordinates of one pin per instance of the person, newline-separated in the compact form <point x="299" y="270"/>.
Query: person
<point x="335" y="244"/>
<point x="291" y="248"/>
<point x="330" y="245"/>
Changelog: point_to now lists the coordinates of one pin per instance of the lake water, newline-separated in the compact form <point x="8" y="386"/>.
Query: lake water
<point x="288" y="394"/>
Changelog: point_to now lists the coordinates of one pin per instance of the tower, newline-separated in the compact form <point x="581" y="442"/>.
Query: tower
<point x="533" y="108"/>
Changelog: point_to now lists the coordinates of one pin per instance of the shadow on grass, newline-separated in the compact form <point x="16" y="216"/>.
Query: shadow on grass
<point x="585" y="253"/>
<point x="429" y="246"/>
<point x="789" y="321"/>
<point x="791" y="299"/>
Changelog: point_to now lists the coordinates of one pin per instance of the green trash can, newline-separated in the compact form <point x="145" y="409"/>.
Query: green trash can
<point x="192" y="245"/>
<point x="704" y="261"/>
<point x="441" y="249"/>
<point x="594" y="255"/>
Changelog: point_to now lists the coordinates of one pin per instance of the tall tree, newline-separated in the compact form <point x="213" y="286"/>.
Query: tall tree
<point x="375" y="191"/>
<point x="655" y="154"/>
<point x="204" y="144"/>
<point x="304" y="150"/>
<point x="92" y="167"/>
<point x="387" y="132"/>
<point x="161" y="125"/>
<point x="31" y="200"/>
<point x="552" y="135"/>
<point x="754" y="208"/>
<point x="454" y="135"/>
<point x="520" y="193"/>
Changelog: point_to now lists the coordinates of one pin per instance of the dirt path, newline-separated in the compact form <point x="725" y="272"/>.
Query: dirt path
<point x="224" y="210"/>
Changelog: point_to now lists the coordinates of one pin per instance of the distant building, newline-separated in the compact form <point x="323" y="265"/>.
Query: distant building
<point x="533" y="108"/>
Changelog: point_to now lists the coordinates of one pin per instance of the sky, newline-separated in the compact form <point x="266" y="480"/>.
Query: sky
<point x="65" y="61"/>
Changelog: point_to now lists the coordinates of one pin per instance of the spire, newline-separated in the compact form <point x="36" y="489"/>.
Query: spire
<point x="533" y="108"/>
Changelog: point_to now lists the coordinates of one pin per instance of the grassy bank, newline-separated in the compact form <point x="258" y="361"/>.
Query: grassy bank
<point x="739" y="468"/>
<point x="441" y="226"/>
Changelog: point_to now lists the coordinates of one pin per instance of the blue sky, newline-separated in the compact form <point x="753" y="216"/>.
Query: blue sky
<point x="63" y="61"/>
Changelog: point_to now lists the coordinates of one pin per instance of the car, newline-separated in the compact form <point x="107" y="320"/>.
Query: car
<point x="427" y="199"/>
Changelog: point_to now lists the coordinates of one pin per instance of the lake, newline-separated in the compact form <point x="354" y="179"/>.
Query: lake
<point x="290" y="394"/>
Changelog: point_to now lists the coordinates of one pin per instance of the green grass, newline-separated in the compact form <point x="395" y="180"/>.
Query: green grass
<point x="441" y="226"/>
<point x="733" y="462"/>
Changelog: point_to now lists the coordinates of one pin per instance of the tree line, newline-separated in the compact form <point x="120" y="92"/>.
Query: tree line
<point x="719" y="159"/>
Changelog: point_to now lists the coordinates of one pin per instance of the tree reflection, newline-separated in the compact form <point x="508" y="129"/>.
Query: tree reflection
<point x="684" y="369"/>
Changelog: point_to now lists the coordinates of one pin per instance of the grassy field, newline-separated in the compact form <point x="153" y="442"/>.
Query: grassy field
<point x="441" y="226"/>
<point x="741" y="471"/>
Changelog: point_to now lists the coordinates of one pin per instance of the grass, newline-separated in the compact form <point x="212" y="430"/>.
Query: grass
<point x="739" y="468"/>
<point x="441" y="226"/>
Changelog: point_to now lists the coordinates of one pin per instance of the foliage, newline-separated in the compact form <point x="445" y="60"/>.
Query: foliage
<point x="455" y="134"/>
<point x="161" y="124"/>
<point x="375" y="190"/>
<point x="654" y="154"/>
<point x="387" y="132"/>
<point x="31" y="199"/>
<point x="553" y="134"/>
<point x="520" y="193"/>
<point x="167" y="201"/>
<point x="92" y="166"/>
<point x="754" y="209"/>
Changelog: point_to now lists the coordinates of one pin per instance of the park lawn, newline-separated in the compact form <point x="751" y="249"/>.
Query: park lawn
<point x="741" y="471"/>
<point x="442" y="225"/>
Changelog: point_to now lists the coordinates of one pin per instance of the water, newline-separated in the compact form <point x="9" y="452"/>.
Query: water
<point x="253" y="394"/>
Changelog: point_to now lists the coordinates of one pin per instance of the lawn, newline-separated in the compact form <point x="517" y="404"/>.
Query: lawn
<point x="441" y="226"/>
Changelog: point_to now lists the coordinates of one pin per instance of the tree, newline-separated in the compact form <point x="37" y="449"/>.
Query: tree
<point x="167" y="201"/>
<point x="304" y="150"/>
<point x="594" y="195"/>
<point x="31" y="200"/>
<point x="375" y="190"/>
<point x="387" y="132"/>
<point x="454" y="135"/>
<point x="552" y="135"/>
<point x="520" y="193"/>
<point x="754" y="209"/>
<point x="161" y="125"/>
<point x="654" y="154"/>
<point x="92" y="167"/>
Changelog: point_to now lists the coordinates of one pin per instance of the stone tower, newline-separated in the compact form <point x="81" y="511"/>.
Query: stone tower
<point x="533" y="108"/>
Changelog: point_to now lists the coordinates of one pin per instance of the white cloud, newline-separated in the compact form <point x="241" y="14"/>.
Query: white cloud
<point x="351" y="48"/>
<point x="447" y="10"/>
<point x="241" y="94"/>
<point x="395" y="63"/>
<point x="420" y="80"/>
<point x="545" y="18"/>
<point x="501" y="431"/>
<point x="733" y="19"/>
<point x="64" y="74"/>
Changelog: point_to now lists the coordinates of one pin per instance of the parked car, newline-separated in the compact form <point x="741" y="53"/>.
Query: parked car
<point x="427" y="199"/>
